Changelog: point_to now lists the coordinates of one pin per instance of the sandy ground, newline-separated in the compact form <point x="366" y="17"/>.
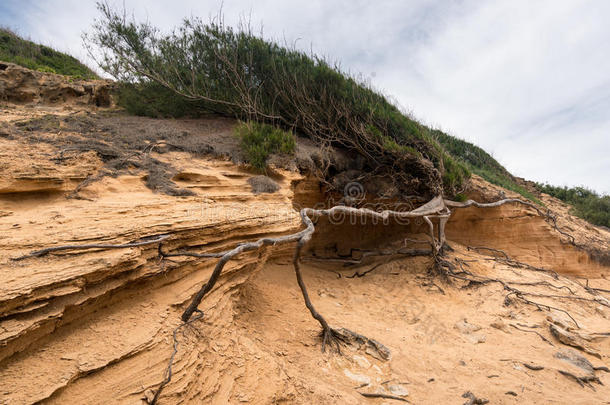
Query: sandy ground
<point x="443" y="342"/>
<point x="261" y="346"/>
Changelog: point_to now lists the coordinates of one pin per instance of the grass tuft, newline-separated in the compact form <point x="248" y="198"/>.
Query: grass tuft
<point x="259" y="141"/>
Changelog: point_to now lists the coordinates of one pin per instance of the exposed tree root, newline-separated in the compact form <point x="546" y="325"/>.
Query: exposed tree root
<point x="358" y="341"/>
<point x="532" y="331"/>
<point x="470" y="203"/>
<point x="447" y="270"/>
<point x="510" y="262"/>
<point x="43" y="252"/>
<point x="582" y="381"/>
<point x="552" y="219"/>
<point x="436" y="211"/>
<point x="592" y="290"/>
<point x="434" y="208"/>
<point x="92" y="178"/>
<point x="329" y="335"/>
<point x="385" y="396"/>
<point x="364" y="273"/>
<point x="479" y="248"/>
<point x="168" y="370"/>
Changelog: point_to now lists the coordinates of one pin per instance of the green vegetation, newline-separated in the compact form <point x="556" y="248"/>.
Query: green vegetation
<point x="213" y="68"/>
<point x="258" y="141"/>
<point x="481" y="163"/>
<point x="586" y="203"/>
<point x="39" y="57"/>
<point x="204" y="68"/>
<point x="456" y="173"/>
<point x="153" y="100"/>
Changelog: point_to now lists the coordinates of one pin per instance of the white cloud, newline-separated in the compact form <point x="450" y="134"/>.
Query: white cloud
<point x="527" y="81"/>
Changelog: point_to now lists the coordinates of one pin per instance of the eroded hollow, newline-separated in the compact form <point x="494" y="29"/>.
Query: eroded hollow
<point x="353" y="238"/>
<point x="518" y="230"/>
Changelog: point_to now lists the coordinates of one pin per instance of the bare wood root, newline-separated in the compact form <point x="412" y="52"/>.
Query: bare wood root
<point x="358" y="341"/>
<point x="520" y="294"/>
<point x="385" y="396"/>
<point x="511" y="262"/>
<point x="163" y="254"/>
<point x="470" y="203"/>
<point x="532" y="331"/>
<point x="436" y="209"/>
<point x="44" y="252"/>
<point x="545" y="284"/>
<point x="168" y="370"/>
<point x="87" y="181"/>
<point x="582" y="381"/>
<point x="328" y="335"/>
<point x="509" y="285"/>
<point x="593" y="290"/>
<point x="479" y="248"/>
<point x="243" y="247"/>
<point x="552" y="219"/>
<point x="475" y="280"/>
<point x="364" y="273"/>
<point x="433" y="207"/>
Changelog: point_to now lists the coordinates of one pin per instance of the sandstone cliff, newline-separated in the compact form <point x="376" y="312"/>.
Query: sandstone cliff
<point x="96" y="326"/>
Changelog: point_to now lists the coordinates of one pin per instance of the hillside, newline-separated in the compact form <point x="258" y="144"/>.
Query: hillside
<point x="208" y="67"/>
<point x="482" y="163"/>
<point x="26" y="53"/>
<point x="517" y="312"/>
<point x="585" y="203"/>
<point x="432" y="159"/>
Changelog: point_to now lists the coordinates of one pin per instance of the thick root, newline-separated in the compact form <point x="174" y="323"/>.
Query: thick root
<point x="437" y="210"/>
<point x="331" y="338"/>
<point x="346" y="337"/>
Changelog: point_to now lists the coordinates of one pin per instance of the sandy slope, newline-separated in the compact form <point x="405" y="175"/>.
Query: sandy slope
<point x="96" y="326"/>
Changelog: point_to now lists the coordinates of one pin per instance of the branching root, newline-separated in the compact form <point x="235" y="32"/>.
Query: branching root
<point x="435" y="212"/>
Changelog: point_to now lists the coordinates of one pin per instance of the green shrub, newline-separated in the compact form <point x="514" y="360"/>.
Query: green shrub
<point x="455" y="173"/>
<point x="479" y="162"/>
<point x="46" y="69"/>
<point x="258" y="141"/>
<point x="239" y="74"/>
<point x="153" y="100"/>
<point x="586" y="203"/>
<point x="460" y="197"/>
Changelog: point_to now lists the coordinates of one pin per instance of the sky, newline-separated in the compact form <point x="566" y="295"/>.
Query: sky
<point x="527" y="80"/>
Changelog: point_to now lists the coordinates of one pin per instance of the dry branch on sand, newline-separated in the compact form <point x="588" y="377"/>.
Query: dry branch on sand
<point x="46" y="251"/>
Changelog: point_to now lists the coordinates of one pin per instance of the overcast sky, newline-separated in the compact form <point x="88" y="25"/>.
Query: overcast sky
<point x="529" y="81"/>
